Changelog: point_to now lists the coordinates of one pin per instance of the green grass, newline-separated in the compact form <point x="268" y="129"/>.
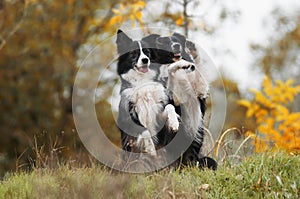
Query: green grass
<point x="261" y="176"/>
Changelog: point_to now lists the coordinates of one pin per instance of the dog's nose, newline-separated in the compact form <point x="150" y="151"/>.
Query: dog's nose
<point x="192" y="67"/>
<point x="145" y="60"/>
<point x="176" y="46"/>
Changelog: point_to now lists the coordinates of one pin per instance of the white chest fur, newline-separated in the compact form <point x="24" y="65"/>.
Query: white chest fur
<point x="148" y="98"/>
<point x="137" y="78"/>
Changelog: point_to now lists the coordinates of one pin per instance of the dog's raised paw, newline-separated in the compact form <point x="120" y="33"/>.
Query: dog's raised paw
<point x="181" y="64"/>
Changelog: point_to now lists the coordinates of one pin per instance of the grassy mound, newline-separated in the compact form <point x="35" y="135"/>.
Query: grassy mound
<point x="261" y="176"/>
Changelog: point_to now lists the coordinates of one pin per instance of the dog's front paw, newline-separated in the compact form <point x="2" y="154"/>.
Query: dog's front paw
<point x="182" y="64"/>
<point x="173" y="122"/>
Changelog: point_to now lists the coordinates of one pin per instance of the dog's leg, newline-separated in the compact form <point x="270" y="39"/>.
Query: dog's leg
<point x="146" y="144"/>
<point x="171" y="117"/>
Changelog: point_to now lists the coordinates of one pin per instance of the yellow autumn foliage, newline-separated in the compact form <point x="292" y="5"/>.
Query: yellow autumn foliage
<point x="180" y="21"/>
<point x="277" y="127"/>
<point x="127" y="10"/>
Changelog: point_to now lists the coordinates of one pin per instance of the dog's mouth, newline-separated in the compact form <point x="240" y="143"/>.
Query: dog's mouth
<point x="142" y="69"/>
<point x="177" y="56"/>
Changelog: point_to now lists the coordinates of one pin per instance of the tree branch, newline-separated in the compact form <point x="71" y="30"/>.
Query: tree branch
<point x="15" y="29"/>
<point x="185" y="17"/>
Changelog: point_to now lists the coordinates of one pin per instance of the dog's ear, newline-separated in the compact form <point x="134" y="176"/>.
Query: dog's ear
<point x="163" y="40"/>
<point x="181" y="38"/>
<point x="123" y="41"/>
<point x="151" y="44"/>
<point x="151" y="40"/>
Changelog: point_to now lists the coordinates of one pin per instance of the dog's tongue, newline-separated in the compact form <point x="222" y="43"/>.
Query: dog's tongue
<point x="143" y="69"/>
<point x="177" y="56"/>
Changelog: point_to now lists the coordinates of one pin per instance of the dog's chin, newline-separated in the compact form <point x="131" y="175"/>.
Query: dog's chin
<point x="142" y="69"/>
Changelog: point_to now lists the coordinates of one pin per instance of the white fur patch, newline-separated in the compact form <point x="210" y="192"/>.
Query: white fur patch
<point x="163" y="72"/>
<point x="142" y="56"/>
<point x="172" y="117"/>
<point x="136" y="78"/>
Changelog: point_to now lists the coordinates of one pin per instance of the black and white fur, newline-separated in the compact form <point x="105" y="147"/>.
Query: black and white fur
<point x="143" y="110"/>
<point x="180" y="72"/>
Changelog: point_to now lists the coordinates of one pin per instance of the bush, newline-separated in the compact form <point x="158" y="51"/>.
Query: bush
<point x="277" y="127"/>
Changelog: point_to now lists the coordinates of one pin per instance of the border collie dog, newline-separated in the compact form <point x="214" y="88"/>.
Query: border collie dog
<point x="144" y="109"/>
<point x="180" y="72"/>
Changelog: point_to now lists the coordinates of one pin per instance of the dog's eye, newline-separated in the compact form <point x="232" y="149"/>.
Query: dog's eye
<point x="175" y="40"/>
<point x="146" y="51"/>
<point x="134" y="54"/>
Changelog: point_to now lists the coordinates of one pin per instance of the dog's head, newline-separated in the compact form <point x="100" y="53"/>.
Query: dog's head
<point x="132" y="54"/>
<point x="168" y="49"/>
